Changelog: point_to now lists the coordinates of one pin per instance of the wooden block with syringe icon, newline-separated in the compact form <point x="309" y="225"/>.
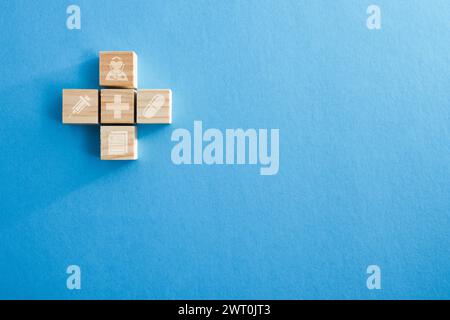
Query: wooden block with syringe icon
<point x="80" y="106"/>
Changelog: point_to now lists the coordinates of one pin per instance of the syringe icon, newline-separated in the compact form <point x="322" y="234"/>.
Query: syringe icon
<point x="81" y="104"/>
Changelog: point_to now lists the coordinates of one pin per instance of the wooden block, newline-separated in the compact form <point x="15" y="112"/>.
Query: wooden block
<point x="117" y="105"/>
<point x="154" y="106"/>
<point x="118" y="143"/>
<point x="80" y="106"/>
<point x="118" y="69"/>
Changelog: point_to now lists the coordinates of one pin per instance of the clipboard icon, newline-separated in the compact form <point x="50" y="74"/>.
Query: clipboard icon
<point x="118" y="143"/>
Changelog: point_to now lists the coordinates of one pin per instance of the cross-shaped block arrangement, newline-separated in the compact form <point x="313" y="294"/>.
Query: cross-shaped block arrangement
<point x="119" y="107"/>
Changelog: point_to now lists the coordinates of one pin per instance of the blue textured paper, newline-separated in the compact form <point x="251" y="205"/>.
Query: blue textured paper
<point x="364" y="152"/>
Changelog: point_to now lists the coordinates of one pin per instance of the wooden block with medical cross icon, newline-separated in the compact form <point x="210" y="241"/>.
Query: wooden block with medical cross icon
<point x="117" y="106"/>
<point x="118" y="143"/>
<point x="80" y="106"/>
<point x="118" y="69"/>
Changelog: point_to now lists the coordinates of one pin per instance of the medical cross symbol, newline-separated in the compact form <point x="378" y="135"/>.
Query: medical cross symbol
<point x="129" y="105"/>
<point x="117" y="106"/>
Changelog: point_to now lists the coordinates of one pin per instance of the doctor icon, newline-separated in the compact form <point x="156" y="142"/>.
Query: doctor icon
<point x="116" y="70"/>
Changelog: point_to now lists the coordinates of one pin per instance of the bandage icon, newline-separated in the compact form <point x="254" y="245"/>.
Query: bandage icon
<point x="154" y="106"/>
<point x="81" y="105"/>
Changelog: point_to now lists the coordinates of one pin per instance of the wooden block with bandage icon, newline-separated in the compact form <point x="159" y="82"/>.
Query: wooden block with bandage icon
<point x="154" y="106"/>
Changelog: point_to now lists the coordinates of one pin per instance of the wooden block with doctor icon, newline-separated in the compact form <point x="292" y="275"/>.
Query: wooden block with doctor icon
<point x="118" y="69"/>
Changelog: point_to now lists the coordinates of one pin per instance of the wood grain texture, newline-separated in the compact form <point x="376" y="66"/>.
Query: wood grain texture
<point x="118" y="143"/>
<point x="117" y="106"/>
<point x="118" y="69"/>
<point x="80" y="106"/>
<point x="154" y="106"/>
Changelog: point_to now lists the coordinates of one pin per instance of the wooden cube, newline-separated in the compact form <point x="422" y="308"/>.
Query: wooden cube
<point x="154" y="106"/>
<point x="118" y="143"/>
<point x="80" y="106"/>
<point x="117" y="106"/>
<point x="118" y="69"/>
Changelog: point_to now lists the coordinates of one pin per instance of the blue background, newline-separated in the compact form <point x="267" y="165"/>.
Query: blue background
<point x="364" y="152"/>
